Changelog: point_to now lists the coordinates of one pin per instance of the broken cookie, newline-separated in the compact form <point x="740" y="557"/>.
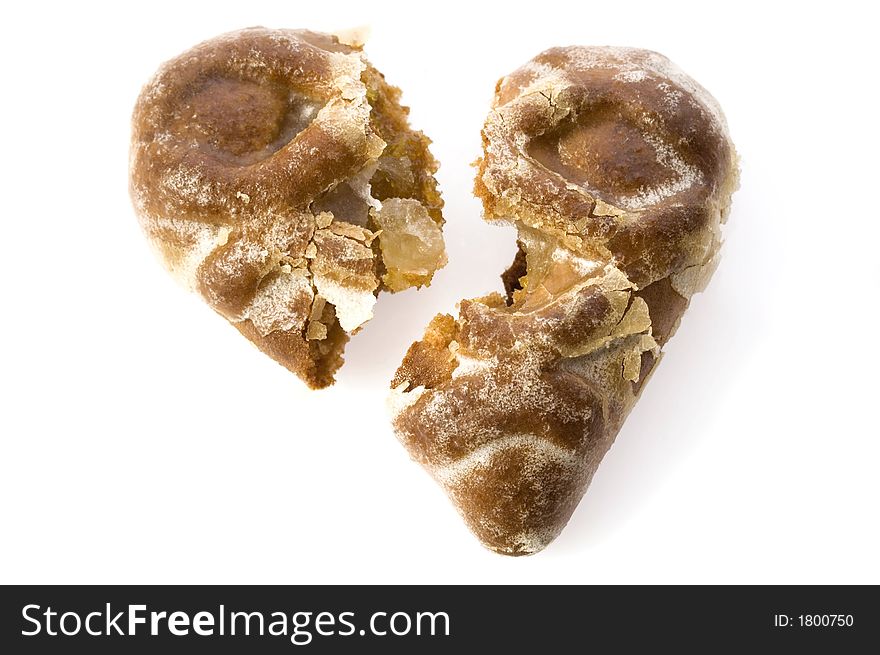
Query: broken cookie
<point x="617" y="170"/>
<point x="276" y="174"/>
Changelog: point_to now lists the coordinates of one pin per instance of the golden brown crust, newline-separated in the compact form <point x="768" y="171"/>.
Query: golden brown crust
<point x="616" y="169"/>
<point x="260" y="162"/>
<point x="429" y="362"/>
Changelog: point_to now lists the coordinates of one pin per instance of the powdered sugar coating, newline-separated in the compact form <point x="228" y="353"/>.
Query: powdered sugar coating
<point x="616" y="169"/>
<point x="236" y="146"/>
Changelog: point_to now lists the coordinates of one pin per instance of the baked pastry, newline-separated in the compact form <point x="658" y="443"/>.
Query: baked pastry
<point x="617" y="171"/>
<point x="276" y="174"/>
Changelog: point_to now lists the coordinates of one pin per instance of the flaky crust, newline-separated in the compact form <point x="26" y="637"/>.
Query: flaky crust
<point x="271" y="169"/>
<point x="617" y="170"/>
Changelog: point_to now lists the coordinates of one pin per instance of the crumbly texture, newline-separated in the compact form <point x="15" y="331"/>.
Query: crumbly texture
<point x="272" y="169"/>
<point x="617" y="171"/>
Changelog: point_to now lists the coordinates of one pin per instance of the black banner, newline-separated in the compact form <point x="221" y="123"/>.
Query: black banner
<point x="421" y="619"/>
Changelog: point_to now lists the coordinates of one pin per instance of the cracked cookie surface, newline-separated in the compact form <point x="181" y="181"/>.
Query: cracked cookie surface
<point x="276" y="174"/>
<point x="617" y="171"/>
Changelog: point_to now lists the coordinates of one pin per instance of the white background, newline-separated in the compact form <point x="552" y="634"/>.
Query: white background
<point x="144" y="440"/>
